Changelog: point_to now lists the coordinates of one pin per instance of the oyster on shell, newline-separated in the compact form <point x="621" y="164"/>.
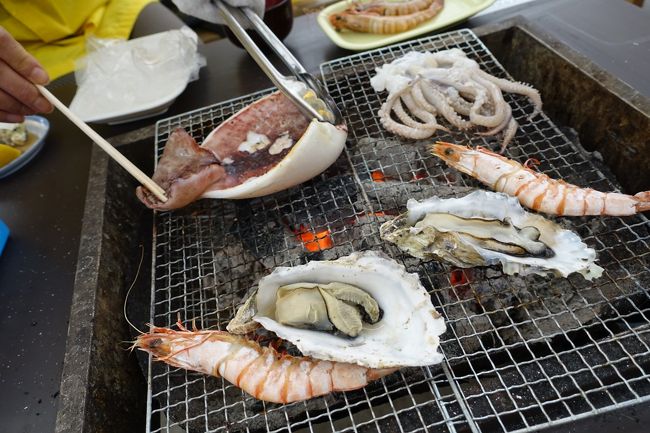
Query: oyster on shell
<point x="486" y="228"/>
<point x="325" y="307"/>
<point x="363" y="308"/>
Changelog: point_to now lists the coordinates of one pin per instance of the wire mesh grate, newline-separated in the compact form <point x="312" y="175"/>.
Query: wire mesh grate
<point x="520" y="353"/>
<point x="210" y="254"/>
<point x="524" y="352"/>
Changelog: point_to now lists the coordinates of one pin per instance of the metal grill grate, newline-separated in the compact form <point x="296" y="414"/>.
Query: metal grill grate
<point x="520" y="352"/>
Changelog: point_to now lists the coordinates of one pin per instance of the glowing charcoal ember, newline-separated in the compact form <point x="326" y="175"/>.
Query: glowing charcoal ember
<point x="378" y="176"/>
<point x="392" y="158"/>
<point x="420" y="175"/>
<point x="457" y="277"/>
<point x="314" y="241"/>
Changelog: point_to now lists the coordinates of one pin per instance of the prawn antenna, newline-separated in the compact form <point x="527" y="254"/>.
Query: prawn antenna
<point x="128" y="292"/>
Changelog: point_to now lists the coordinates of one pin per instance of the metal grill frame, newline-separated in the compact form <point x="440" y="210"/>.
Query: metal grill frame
<point x="481" y="390"/>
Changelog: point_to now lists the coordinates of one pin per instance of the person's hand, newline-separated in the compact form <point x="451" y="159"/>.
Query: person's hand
<point x="19" y="71"/>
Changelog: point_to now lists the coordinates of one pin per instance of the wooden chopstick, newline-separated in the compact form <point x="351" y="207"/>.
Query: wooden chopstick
<point x="145" y="180"/>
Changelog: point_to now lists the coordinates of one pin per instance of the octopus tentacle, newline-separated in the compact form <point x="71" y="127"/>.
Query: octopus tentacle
<point x="396" y="127"/>
<point x="439" y="100"/>
<point x="479" y="97"/>
<point x="449" y="84"/>
<point x="418" y="97"/>
<point x="509" y="134"/>
<point x="498" y="128"/>
<point x="519" y="88"/>
<point x="421" y="105"/>
<point x="403" y="116"/>
<point x="422" y="113"/>
<point x="458" y="103"/>
<point x="497" y="101"/>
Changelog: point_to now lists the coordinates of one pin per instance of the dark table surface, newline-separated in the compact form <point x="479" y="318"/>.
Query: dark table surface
<point x="43" y="203"/>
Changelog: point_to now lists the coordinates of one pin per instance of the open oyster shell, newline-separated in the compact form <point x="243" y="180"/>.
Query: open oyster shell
<point x="486" y="228"/>
<point x="406" y="334"/>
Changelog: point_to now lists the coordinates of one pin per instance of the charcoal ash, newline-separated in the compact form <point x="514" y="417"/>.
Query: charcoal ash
<point x="390" y="158"/>
<point x="271" y="228"/>
<point x="492" y="309"/>
<point x="234" y="267"/>
<point x="319" y="204"/>
<point x="570" y="373"/>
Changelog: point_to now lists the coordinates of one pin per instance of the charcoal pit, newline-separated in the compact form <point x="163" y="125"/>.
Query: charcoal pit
<point x="521" y="353"/>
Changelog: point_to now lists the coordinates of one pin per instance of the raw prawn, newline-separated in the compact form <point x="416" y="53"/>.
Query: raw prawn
<point x="260" y="371"/>
<point x="379" y="24"/>
<point x="535" y="190"/>
<point x="392" y="8"/>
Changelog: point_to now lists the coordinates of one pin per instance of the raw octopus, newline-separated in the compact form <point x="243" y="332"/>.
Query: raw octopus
<point x="449" y="84"/>
<point x="383" y="17"/>
<point x="535" y="190"/>
<point x="260" y="371"/>
<point x="242" y="157"/>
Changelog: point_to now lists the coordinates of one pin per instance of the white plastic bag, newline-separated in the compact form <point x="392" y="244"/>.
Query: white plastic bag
<point x="119" y="80"/>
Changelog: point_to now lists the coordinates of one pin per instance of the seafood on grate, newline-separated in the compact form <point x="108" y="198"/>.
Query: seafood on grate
<point x="363" y="309"/>
<point x="423" y="85"/>
<point x="386" y="17"/>
<point x="267" y="147"/>
<point x="486" y="228"/>
<point x="260" y="371"/>
<point x="536" y="190"/>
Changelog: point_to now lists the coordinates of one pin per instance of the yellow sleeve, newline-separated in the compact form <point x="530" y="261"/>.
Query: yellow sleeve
<point x="119" y="18"/>
<point x="55" y="31"/>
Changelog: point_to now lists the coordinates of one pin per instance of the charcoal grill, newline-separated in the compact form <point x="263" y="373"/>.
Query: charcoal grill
<point x="520" y="353"/>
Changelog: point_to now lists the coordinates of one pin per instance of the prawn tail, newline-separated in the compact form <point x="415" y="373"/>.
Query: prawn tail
<point x="377" y="373"/>
<point x="644" y="201"/>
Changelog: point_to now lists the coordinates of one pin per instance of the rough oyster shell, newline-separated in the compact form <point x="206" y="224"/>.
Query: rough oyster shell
<point x="406" y="335"/>
<point x="418" y="233"/>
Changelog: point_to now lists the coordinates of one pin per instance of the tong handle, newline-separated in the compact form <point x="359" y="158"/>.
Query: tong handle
<point x="269" y="37"/>
<point x="276" y="77"/>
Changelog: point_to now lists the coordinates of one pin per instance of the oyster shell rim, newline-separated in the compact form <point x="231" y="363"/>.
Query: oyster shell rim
<point x="351" y="350"/>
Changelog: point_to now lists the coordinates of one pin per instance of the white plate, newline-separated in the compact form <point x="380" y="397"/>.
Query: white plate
<point x="129" y="114"/>
<point x="38" y="126"/>
<point x="129" y="80"/>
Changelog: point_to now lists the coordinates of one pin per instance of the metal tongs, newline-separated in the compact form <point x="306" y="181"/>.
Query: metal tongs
<point x="305" y="90"/>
